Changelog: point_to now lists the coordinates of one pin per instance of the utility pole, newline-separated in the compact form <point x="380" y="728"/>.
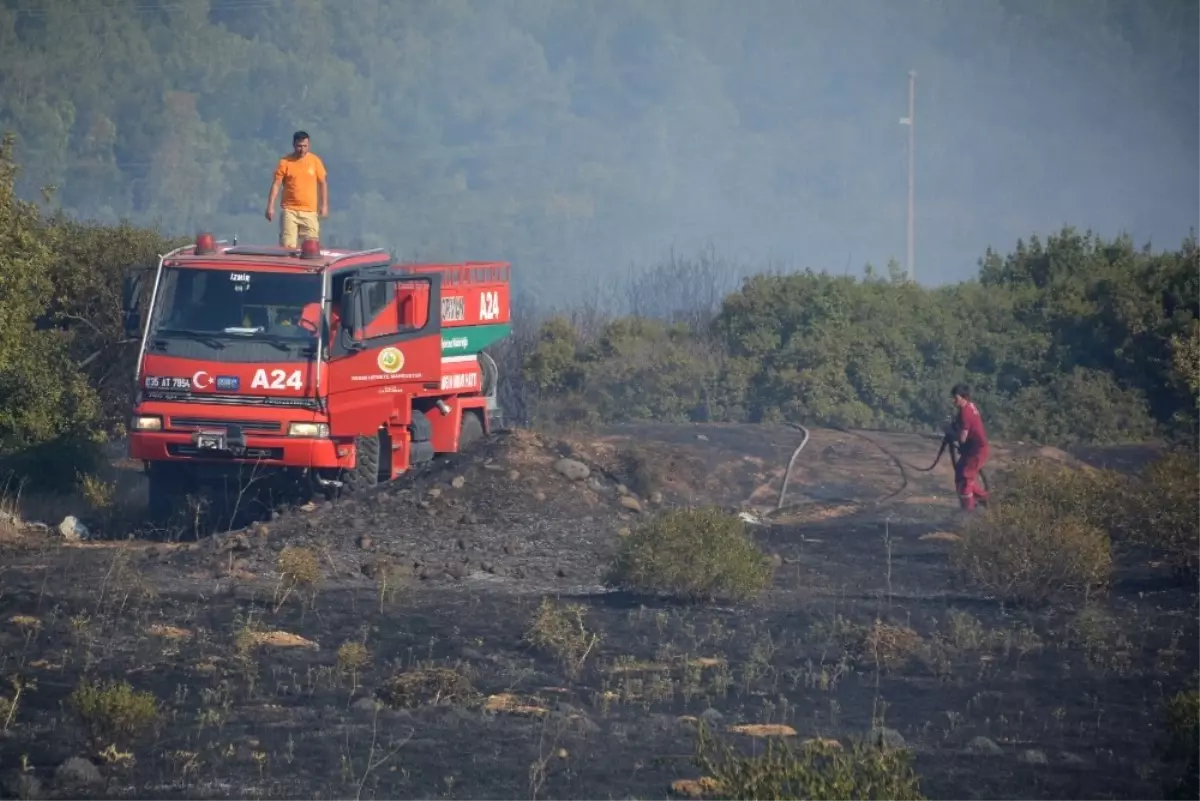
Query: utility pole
<point x="911" y="122"/>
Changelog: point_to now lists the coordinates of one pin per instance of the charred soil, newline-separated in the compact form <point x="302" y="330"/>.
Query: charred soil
<point x="450" y="635"/>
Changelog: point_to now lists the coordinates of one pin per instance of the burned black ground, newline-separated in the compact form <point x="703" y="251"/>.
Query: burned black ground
<point x="863" y="623"/>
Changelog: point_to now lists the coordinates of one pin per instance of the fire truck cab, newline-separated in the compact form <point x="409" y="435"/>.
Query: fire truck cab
<point x="342" y="366"/>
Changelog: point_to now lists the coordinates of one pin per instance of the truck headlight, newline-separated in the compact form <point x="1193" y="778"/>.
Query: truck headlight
<point x="318" y="430"/>
<point x="149" y="422"/>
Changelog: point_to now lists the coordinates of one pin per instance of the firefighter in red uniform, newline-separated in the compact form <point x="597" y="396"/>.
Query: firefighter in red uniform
<point x="968" y="432"/>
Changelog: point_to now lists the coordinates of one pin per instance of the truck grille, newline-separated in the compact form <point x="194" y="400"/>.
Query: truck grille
<point x="245" y="425"/>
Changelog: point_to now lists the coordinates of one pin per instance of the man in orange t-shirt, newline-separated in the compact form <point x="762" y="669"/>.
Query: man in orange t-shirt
<point x="301" y="174"/>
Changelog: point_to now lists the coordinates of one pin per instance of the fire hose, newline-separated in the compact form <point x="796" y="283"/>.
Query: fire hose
<point x="948" y="444"/>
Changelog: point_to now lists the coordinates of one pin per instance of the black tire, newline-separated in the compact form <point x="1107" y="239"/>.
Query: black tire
<point x="471" y="430"/>
<point x="422" y="429"/>
<point x="491" y="374"/>
<point x="365" y="473"/>
<point x="184" y="506"/>
<point x="168" y="493"/>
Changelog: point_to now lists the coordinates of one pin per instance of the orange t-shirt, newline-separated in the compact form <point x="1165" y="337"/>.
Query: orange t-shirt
<point x="300" y="177"/>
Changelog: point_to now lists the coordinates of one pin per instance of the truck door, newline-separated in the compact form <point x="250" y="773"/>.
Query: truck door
<point x="387" y="341"/>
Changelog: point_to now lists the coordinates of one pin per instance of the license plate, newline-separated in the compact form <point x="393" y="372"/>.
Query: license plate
<point x="167" y="382"/>
<point x="210" y="441"/>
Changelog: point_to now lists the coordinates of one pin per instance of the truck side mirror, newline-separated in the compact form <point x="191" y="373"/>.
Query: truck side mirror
<point x="131" y="302"/>
<point x="346" y="309"/>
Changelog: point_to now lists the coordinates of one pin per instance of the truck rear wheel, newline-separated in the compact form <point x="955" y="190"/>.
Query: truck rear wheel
<point x="471" y="430"/>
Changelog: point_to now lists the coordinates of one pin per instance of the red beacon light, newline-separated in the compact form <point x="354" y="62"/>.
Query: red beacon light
<point x="311" y="249"/>
<point x="206" y="245"/>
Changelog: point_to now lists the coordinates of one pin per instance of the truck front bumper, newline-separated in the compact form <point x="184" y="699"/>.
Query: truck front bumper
<point x="234" y="447"/>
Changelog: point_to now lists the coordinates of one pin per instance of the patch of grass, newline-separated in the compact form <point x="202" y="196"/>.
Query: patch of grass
<point x="1183" y="741"/>
<point x="1029" y="551"/>
<point x="560" y="629"/>
<point x="693" y="554"/>
<point x="1183" y="721"/>
<point x="99" y="494"/>
<point x="111" y="710"/>
<point x="815" y="769"/>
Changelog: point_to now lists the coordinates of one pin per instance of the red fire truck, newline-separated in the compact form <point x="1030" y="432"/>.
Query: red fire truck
<point x="341" y="366"/>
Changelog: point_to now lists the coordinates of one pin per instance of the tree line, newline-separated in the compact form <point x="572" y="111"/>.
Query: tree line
<point x="1074" y="339"/>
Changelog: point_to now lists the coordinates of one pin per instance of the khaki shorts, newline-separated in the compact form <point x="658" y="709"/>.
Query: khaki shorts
<point x="293" y="224"/>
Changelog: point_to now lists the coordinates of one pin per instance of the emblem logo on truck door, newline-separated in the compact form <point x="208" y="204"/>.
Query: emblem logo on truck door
<point x="390" y="360"/>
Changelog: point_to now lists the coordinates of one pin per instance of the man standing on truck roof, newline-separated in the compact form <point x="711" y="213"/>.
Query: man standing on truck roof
<point x="302" y="175"/>
<point x="968" y="432"/>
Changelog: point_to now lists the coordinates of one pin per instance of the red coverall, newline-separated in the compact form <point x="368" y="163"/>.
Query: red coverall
<point x="972" y="453"/>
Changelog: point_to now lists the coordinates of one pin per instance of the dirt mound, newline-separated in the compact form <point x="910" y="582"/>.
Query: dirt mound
<point x="517" y="506"/>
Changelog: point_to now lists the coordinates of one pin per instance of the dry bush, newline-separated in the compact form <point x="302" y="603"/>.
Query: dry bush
<point x="694" y="554"/>
<point x="299" y="569"/>
<point x="815" y="769"/>
<point x="428" y="686"/>
<point x="1029" y="551"/>
<point x="352" y="657"/>
<point x="560" y="629"/>
<point x="1088" y="495"/>
<point x="1161" y="510"/>
<point x="891" y="645"/>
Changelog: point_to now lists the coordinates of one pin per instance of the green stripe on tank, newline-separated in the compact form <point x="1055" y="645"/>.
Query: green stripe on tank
<point x="472" y="338"/>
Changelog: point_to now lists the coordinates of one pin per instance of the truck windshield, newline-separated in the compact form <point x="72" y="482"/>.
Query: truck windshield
<point x="235" y="304"/>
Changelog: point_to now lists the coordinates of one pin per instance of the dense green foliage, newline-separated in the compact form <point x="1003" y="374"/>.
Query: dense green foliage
<point x="1075" y="339"/>
<point x="573" y="138"/>
<point x="65" y="372"/>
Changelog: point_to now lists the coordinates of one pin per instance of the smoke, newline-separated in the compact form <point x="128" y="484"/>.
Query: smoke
<point x="578" y="139"/>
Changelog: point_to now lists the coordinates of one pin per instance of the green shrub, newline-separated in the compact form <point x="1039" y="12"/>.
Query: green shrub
<point x="695" y="554"/>
<point x="813" y="770"/>
<point x="113" y="710"/>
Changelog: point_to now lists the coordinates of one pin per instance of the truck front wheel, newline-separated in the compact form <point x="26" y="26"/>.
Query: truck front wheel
<point x="365" y="473"/>
<point x="166" y="492"/>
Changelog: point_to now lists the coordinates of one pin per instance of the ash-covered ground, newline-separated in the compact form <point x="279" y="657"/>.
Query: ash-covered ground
<point x="380" y="646"/>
